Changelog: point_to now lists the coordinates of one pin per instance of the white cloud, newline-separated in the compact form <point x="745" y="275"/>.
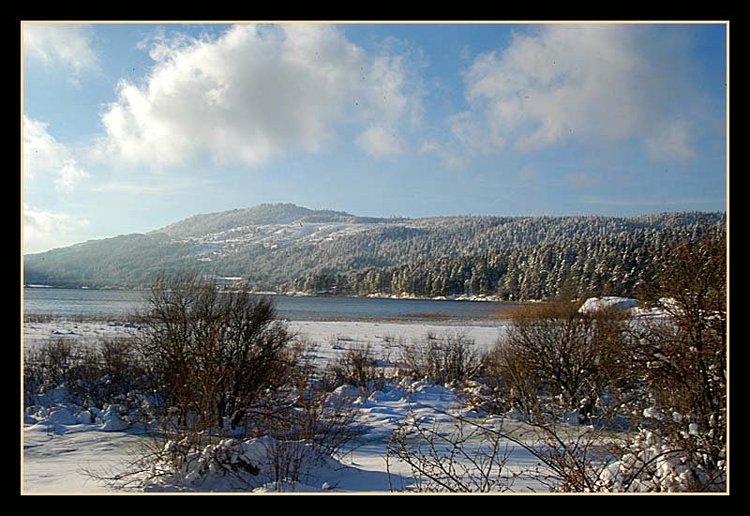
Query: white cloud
<point x="592" y="83"/>
<point x="44" y="155"/>
<point x="253" y="93"/>
<point x="69" y="175"/>
<point x="68" y="46"/>
<point x="43" y="230"/>
<point x="380" y="142"/>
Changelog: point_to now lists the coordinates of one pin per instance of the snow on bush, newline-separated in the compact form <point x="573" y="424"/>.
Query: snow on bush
<point x="260" y="464"/>
<point x="111" y="419"/>
<point x="653" y="413"/>
<point x="651" y="464"/>
<point x="64" y="413"/>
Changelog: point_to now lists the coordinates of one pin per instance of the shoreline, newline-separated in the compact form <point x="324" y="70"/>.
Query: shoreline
<point x="271" y="293"/>
<point x="426" y="320"/>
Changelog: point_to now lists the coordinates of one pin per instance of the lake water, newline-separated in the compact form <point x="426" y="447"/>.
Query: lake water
<point x="116" y="303"/>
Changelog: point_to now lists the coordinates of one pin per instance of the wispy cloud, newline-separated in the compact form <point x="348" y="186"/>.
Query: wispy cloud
<point x="66" y="46"/>
<point x="453" y="160"/>
<point x="588" y="83"/>
<point x="130" y="188"/>
<point x="168" y="184"/>
<point x="43" y="229"/>
<point x="43" y="156"/>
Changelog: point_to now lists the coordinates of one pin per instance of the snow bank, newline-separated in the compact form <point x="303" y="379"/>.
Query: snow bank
<point x="111" y="419"/>
<point x="58" y="411"/>
<point x="246" y="464"/>
<point x="62" y="416"/>
<point x="382" y="411"/>
<point x="594" y="304"/>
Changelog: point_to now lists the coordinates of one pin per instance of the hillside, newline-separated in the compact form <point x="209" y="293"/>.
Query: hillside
<point x="285" y="247"/>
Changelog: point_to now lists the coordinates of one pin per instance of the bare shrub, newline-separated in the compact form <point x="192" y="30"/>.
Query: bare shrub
<point x="573" y="457"/>
<point x="230" y="380"/>
<point x="467" y="455"/>
<point x="681" y="362"/>
<point x="51" y="363"/>
<point x="448" y="359"/>
<point x="288" y="431"/>
<point x="357" y="367"/>
<point x="92" y="374"/>
<point x="453" y="457"/>
<point x="211" y="354"/>
<point x="556" y="360"/>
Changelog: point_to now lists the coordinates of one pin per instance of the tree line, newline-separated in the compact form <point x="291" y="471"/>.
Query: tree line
<point x="618" y="264"/>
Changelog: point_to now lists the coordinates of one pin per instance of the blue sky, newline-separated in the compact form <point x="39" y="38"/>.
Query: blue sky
<point x="127" y="128"/>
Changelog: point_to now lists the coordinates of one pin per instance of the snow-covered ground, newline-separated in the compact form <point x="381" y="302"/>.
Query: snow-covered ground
<point x="331" y="337"/>
<point x="61" y="441"/>
<point x="58" y="451"/>
<point x="58" y="447"/>
<point x="274" y="235"/>
<point x="57" y="456"/>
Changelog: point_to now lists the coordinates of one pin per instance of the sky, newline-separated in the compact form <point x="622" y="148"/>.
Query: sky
<point x="130" y="127"/>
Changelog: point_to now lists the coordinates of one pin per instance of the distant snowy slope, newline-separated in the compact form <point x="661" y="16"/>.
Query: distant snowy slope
<point x="264" y="215"/>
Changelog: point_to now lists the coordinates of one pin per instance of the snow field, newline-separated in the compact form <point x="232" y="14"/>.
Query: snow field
<point x="60" y="439"/>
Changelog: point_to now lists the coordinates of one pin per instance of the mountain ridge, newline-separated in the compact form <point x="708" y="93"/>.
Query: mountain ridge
<point x="262" y="214"/>
<point x="285" y="247"/>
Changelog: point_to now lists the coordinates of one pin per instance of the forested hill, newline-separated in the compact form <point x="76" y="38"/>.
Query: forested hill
<point x="284" y="247"/>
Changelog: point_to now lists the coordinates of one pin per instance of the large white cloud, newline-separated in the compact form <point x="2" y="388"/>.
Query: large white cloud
<point x="43" y="155"/>
<point x="252" y="93"/>
<point x="69" y="46"/>
<point x="591" y="83"/>
<point x="43" y="230"/>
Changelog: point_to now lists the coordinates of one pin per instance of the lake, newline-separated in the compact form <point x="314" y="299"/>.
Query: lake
<point x="116" y="303"/>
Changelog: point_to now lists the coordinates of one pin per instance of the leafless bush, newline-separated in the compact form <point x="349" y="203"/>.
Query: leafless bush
<point x="291" y="416"/>
<point x="453" y="457"/>
<point x="288" y="432"/>
<point x="357" y="367"/>
<point x="681" y="363"/>
<point x="93" y="374"/>
<point x="555" y="360"/>
<point x="305" y="409"/>
<point x="449" y="359"/>
<point x="49" y="364"/>
<point x="573" y="457"/>
<point x="497" y="380"/>
<point x="211" y="354"/>
<point x="467" y="455"/>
